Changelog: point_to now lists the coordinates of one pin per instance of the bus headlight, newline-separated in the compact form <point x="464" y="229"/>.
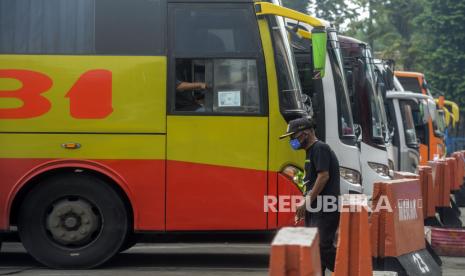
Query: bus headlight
<point x="380" y="169"/>
<point x="350" y="175"/>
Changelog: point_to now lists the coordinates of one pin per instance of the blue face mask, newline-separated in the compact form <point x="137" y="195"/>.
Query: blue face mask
<point x="295" y="144"/>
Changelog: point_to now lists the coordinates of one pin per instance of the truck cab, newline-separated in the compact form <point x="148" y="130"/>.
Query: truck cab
<point x="432" y="146"/>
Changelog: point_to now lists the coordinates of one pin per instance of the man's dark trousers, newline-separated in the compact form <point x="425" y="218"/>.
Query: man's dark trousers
<point x="327" y="224"/>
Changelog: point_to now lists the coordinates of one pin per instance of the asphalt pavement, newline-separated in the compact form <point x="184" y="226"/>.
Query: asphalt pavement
<point x="155" y="259"/>
<point x="173" y="259"/>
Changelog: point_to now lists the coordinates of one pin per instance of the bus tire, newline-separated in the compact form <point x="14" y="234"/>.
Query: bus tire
<point x="73" y="221"/>
<point x="130" y="241"/>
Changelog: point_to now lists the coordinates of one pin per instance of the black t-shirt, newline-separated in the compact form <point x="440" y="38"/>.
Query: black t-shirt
<point x="320" y="157"/>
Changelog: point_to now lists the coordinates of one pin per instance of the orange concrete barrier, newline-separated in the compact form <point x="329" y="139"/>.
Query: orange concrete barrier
<point x="400" y="230"/>
<point x="402" y="175"/>
<point x="398" y="241"/>
<point x="452" y="164"/>
<point x="427" y="191"/>
<point x="441" y="179"/>
<point x="295" y="251"/>
<point x="353" y="255"/>
<point x="460" y="168"/>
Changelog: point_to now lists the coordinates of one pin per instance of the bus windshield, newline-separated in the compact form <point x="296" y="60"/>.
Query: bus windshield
<point x="290" y="93"/>
<point x="345" y="113"/>
<point x="378" y="119"/>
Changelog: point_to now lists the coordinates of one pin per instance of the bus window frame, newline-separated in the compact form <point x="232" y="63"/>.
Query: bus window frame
<point x="259" y="57"/>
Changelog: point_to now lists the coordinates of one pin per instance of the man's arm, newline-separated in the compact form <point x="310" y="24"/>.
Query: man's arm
<point x="320" y="183"/>
<point x="185" y="86"/>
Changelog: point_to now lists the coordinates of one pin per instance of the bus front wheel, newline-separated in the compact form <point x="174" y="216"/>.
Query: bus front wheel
<point x="73" y="221"/>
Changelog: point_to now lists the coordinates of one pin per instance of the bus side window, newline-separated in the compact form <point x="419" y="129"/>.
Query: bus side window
<point x="217" y="53"/>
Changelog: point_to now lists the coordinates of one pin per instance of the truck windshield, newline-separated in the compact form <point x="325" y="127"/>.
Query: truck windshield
<point x="346" y="126"/>
<point x="290" y="93"/>
<point x="409" y="124"/>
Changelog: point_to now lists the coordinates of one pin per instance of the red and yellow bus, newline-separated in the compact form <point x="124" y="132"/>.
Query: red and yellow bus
<point x="432" y="139"/>
<point x="98" y="141"/>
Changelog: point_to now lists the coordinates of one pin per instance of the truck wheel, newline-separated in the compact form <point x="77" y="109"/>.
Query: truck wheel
<point x="72" y="221"/>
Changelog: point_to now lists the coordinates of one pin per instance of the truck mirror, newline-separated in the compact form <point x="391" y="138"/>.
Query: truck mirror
<point x="424" y="111"/>
<point x="432" y="109"/>
<point x="319" y="42"/>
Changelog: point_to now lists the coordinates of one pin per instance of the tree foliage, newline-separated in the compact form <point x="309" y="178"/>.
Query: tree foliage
<point x="443" y="53"/>
<point x="421" y="35"/>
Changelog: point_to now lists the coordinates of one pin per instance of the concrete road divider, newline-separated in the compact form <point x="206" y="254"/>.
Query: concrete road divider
<point x="441" y="180"/>
<point x="427" y="191"/>
<point x="452" y="164"/>
<point x="398" y="241"/>
<point x="353" y="255"/>
<point x="460" y="194"/>
<point x="460" y="170"/>
<point x="295" y="252"/>
<point x="425" y="177"/>
<point x="402" y="175"/>
<point x="450" y="217"/>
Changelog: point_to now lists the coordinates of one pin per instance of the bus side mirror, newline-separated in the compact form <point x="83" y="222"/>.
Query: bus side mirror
<point x="358" y="131"/>
<point x="319" y="43"/>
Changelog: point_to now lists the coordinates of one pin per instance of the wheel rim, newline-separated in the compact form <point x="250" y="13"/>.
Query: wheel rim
<point x="73" y="222"/>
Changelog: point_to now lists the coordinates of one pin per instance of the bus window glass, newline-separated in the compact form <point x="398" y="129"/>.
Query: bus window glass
<point x="103" y="27"/>
<point x="346" y="127"/>
<point x="410" y="84"/>
<point x="421" y="128"/>
<point x="216" y="53"/>
<point x="408" y="123"/>
<point x="231" y="86"/>
<point x="208" y="31"/>
<point x="290" y="94"/>
<point x="235" y="86"/>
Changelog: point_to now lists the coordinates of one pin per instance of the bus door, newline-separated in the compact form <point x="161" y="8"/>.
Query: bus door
<point x="217" y="123"/>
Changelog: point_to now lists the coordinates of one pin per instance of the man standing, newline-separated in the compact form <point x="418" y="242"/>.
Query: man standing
<point x="322" y="186"/>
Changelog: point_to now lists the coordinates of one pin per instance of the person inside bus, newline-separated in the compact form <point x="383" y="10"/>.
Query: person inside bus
<point x="186" y="100"/>
<point x="188" y="95"/>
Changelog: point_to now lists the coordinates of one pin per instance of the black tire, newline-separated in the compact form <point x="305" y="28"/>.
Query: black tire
<point x="42" y="211"/>
<point x="130" y="241"/>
